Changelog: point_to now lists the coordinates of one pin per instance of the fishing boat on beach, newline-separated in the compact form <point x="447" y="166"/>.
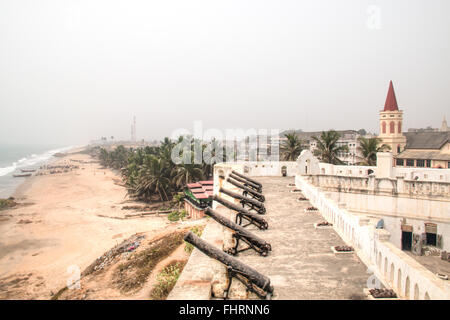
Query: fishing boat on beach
<point x="22" y="175"/>
<point x="28" y="170"/>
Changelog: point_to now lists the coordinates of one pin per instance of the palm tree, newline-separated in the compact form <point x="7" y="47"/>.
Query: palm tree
<point x="153" y="178"/>
<point x="214" y="150"/>
<point x="185" y="173"/>
<point x="119" y="157"/>
<point x="104" y="157"/>
<point x="291" y="148"/>
<point x="167" y="143"/>
<point x="327" y="148"/>
<point x="369" y="148"/>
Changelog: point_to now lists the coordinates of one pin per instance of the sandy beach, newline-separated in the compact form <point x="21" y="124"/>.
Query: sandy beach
<point x="63" y="220"/>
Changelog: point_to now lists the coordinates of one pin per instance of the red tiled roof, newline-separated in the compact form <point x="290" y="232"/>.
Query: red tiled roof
<point x="201" y="196"/>
<point x="194" y="185"/>
<point x="202" y="189"/>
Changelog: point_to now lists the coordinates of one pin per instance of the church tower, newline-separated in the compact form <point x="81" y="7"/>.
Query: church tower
<point x="444" y="126"/>
<point x="391" y="120"/>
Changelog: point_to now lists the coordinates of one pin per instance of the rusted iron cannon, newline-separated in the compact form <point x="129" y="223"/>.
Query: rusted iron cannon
<point x="252" y="204"/>
<point x="242" y="213"/>
<point x="246" y="183"/>
<point x="246" y="190"/>
<point x="254" y="242"/>
<point x="252" y="279"/>
<point x="247" y="178"/>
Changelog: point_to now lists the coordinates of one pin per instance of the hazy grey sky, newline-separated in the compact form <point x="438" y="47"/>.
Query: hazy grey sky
<point x="71" y="71"/>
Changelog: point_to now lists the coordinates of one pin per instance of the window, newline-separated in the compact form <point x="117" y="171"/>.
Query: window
<point x="448" y="164"/>
<point x="383" y="126"/>
<point x="399" y="129"/>
<point x="392" y="127"/>
<point x="399" y="162"/>
<point x="398" y="149"/>
<point x="429" y="163"/>
<point x="420" y="163"/>
<point x="410" y="162"/>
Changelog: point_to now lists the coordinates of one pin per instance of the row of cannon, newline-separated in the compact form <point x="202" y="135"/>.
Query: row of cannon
<point x="249" y="213"/>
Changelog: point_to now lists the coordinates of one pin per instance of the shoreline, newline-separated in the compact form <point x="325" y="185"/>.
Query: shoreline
<point x="63" y="220"/>
<point x="23" y="186"/>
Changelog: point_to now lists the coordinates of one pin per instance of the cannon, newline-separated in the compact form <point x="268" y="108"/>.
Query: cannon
<point x="246" y="183"/>
<point x="245" y="201"/>
<point x="242" y="213"/>
<point x="252" y="279"/>
<point x="246" y="178"/>
<point x="246" y="190"/>
<point x="253" y="241"/>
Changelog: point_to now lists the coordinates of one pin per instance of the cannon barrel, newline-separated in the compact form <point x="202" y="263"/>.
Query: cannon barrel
<point x="246" y="178"/>
<point x="249" y="215"/>
<point x="254" y="193"/>
<point x="253" y="240"/>
<point x="235" y="195"/>
<point x="246" y="182"/>
<point x="251" y="274"/>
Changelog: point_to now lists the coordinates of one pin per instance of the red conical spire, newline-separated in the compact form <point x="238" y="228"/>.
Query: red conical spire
<point x="391" y="101"/>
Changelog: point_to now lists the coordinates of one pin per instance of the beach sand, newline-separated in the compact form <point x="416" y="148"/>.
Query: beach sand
<point x="64" y="220"/>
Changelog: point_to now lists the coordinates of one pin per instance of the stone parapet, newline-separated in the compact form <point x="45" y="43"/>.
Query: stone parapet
<point x="392" y="266"/>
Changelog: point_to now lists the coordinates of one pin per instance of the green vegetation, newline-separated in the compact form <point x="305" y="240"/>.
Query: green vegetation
<point x="151" y="175"/>
<point x="116" y="159"/>
<point x="167" y="279"/>
<point x="369" y="148"/>
<point x="327" y="148"/>
<point x="176" y="215"/>
<point x="7" y="203"/>
<point x="291" y="148"/>
<point x="133" y="273"/>
<point x="198" y="231"/>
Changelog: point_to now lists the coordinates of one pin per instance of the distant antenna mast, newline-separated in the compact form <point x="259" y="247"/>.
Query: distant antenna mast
<point x="133" y="130"/>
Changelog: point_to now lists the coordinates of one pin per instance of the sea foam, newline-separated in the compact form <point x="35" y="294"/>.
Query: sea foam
<point x="31" y="160"/>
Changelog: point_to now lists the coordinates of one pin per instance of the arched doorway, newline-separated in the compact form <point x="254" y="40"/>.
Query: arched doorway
<point x="407" y="287"/>
<point x="392" y="273"/>
<point x="284" y="171"/>
<point x="416" y="292"/>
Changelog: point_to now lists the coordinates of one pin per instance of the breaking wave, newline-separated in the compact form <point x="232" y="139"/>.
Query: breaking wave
<point x="31" y="160"/>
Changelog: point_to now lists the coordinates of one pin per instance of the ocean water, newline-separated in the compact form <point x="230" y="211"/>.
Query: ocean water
<point x="13" y="158"/>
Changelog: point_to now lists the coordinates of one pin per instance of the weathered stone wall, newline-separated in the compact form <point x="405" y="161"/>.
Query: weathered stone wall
<point x="398" y="187"/>
<point x="395" y="268"/>
<point x="261" y="168"/>
<point x="408" y="174"/>
<point x="203" y="277"/>
<point x="200" y="272"/>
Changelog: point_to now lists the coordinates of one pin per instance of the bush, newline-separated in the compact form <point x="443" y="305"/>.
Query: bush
<point x="167" y="279"/>
<point x="7" y="203"/>
<point x="132" y="274"/>
<point x="198" y="231"/>
<point x="176" y="215"/>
